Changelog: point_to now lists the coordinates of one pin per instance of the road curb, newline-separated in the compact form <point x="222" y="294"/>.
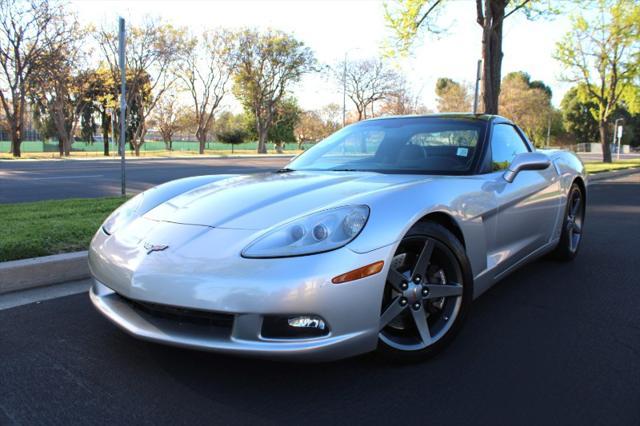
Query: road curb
<point x="594" y="177"/>
<point x="24" y="274"/>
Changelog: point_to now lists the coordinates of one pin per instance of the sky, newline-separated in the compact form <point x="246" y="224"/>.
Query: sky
<point x="333" y="28"/>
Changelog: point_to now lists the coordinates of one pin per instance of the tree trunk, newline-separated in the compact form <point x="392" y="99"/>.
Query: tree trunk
<point x="201" y="134"/>
<point x="136" y="149"/>
<point x="279" y="147"/>
<point x="262" y="141"/>
<point x="16" y="141"/>
<point x="492" y="54"/>
<point x="66" y="145"/>
<point x="606" y="150"/>
<point x="105" y="133"/>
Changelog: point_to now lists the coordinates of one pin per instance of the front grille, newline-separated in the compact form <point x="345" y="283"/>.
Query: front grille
<point x="182" y="315"/>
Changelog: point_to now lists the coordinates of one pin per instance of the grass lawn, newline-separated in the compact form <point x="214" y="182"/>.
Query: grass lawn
<point x="51" y="227"/>
<point x="597" y="167"/>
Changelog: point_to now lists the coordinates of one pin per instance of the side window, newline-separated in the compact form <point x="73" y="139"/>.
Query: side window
<point x="506" y="143"/>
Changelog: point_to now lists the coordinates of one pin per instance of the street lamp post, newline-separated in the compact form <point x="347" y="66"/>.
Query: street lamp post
<point x="344" y="86"/>
<point x="344" y="91"/>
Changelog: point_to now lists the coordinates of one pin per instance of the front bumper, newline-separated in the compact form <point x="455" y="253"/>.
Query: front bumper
<point x="243" y="290"/>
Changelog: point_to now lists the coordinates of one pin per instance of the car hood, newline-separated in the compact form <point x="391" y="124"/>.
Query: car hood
<point x="263" y="200"/>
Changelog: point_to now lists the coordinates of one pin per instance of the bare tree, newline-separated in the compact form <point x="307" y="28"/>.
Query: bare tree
<point x="169" y="117"/>
<point x="267" y="66"/>
<point x="366" y="82"/>
<point x="28" y="30"/>
<point x="403" y="101"/>
<point x="151" y="49"/>
<point x="204" y="71"/>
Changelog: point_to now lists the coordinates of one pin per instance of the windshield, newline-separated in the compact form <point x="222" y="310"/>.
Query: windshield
<point x="403" y="145"/>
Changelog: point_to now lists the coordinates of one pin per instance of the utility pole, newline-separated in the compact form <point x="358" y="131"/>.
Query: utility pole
<point x="123" y="104"/>
<point x="476" y="92"/>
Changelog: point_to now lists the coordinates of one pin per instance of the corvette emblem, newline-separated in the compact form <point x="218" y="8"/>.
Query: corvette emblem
<point x="154" y="247"/>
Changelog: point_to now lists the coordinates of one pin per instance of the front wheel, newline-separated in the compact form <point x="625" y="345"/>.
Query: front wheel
<point x="428" y="291"/>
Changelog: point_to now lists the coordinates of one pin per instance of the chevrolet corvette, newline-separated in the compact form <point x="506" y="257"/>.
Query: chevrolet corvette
<point x="377" y="238"/>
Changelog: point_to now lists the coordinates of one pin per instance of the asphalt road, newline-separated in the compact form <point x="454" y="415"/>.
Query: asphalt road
<point x="554" y="343"/>
<point x="55" y="179"/>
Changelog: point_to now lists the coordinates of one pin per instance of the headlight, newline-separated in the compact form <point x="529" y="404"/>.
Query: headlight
<point x="319" y="232"/>
<point x="123" y="215"/>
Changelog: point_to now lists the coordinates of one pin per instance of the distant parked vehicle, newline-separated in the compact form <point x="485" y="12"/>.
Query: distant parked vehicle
<point x="379" y="237"/>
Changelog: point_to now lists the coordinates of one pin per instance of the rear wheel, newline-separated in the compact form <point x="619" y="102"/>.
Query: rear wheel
<point x="427" y="294"/>
<point x="572" y="226"/>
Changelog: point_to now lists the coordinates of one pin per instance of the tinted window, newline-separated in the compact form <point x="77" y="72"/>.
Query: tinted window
<point x="506" y="143"/>
<point x="402" y="145"/>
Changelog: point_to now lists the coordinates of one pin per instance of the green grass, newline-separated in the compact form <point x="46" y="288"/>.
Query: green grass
<point x="598" y="167"/>
<point x="51" y="227"/>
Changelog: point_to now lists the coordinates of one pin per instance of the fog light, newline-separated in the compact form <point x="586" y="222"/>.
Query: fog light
<point x="294" y="327"/>
<point x="307" y="322"/>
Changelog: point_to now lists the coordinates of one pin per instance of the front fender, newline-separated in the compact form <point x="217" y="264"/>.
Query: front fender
<point x="468" y="200"/>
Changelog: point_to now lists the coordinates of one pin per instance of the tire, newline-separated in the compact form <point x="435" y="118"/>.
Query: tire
<point x="441" y="299"/>
<point x="572" y="226"/>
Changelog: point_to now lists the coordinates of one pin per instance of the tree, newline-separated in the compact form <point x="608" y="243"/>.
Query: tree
<point x="102" y="91"/>
<point x="578" y="115"/>
<point x="286" y="118"/>
<point x="367" y="81"/>
<point x="59" y="88"/>
<point x="169" y="117"/>
<point x="232" y="128"/>
<point x="402" y="101"/>
<point x="602" y="52"/>
<point x="314" y="126"/>
<point x="267" y="65"/>
<point x="409" y="18"/>
<point x="151" y="49"/>
<point x="527" y="103"/>
<point x="204" y="71"/>
<point x="452" y="96"/>
<point x="28" y="30"/>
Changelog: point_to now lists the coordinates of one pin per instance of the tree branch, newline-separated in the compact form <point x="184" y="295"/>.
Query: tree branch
<point x="433" y="6"/>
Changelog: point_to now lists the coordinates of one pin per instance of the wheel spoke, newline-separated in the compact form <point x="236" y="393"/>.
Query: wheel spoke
<point x="575" y="207"/>
<point x="424" y="259"/>
<point x="437" y="291"/>
<point x="392" y="311"/>
<point x="577" y="228"/>
<point x="420" y="318"/>
<point x="396" y="279"/>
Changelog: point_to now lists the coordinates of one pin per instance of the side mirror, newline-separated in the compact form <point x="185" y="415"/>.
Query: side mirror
<point x="526" y="161"/>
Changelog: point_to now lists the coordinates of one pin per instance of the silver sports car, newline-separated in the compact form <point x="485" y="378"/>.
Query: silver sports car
<point x="378" y="237"/>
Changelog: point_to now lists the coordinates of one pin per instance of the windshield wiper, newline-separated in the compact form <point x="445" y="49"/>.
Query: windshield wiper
<point x="285" y="170"/>
<point x="345" y="170"/>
